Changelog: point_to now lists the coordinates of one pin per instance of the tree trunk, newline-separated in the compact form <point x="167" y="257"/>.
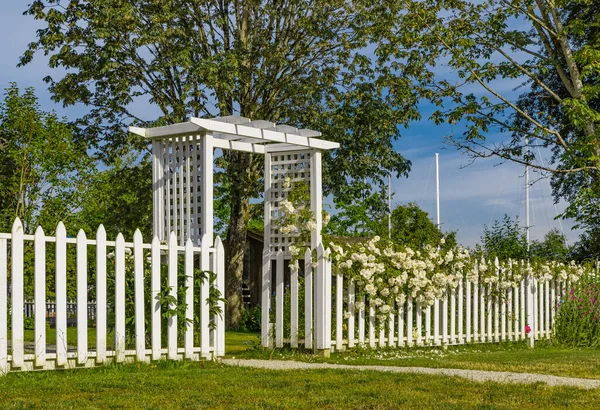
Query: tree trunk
<point x="242" y="171"/>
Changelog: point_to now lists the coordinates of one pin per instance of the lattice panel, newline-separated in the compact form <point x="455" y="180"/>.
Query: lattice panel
<point x="296" y="166"/>
<point x="181" y="201"/>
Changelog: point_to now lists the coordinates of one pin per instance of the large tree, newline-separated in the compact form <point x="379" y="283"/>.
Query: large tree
<point x="41" y="166"/>
<point x="306" y="63"/>
<point x="476" y="53"/>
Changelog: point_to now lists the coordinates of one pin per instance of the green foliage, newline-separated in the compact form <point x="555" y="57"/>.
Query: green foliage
<point x="42" y="166"/>
<point x="412" y="227"/>
<point x="553" y="248"/>
<point x="250" y="321"/>
<point x="505" y="240"/>
<point x="120" y="198"/>
<point x="577" y="322"/>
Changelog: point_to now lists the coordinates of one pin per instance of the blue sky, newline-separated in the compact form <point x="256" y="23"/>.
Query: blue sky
<point x="469" y="197"/>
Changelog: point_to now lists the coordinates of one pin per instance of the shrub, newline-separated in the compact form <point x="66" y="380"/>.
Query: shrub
<point x="250" y="321"/>
<point x="578" y="318"/>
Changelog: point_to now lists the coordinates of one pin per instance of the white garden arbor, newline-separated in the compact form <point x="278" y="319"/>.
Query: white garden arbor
<point x="182" y="180"/>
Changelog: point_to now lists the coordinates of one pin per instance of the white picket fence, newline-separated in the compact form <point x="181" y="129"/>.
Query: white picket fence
<point x="471" y="313"/>
<point x="123" y="258"/>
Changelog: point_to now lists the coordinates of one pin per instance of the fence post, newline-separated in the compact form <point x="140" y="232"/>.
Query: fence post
<point x="294" y="305"/>
<point x="17" y="293"/>
<point x="308" y="300"/>
<point x="189" y="299"/>
<point x="266" y="299"/>
<point x="156" y="313"/>
<point x="220" y="272"/>
<point x="321" y="305"/>
<point x="61" y="295"/>
<point x="120" y="299"/>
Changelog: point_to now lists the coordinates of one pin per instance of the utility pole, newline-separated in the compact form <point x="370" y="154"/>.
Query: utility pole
<point x="437" y="190"/>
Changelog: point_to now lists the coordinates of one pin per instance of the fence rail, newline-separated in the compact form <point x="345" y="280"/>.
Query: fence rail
<point x="130" y="284"/>
<point x="332" y="318"/>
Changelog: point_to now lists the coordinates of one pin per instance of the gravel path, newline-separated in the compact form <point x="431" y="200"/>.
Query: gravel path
<point x="475" y="375"/>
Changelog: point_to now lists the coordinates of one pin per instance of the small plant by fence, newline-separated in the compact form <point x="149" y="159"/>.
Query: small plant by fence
<point x="152" y="300"/>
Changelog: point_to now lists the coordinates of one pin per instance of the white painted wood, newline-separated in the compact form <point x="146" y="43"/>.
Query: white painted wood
<point x="460" y="334"/>
<point x="294" y="306"/>
<point x="436" y="322"/>
<point x="469" y="297"/>
<point x="339" y="311"/>
<point x="496" y="302"/>
<point x="82" y="296"/>
<point x="401" y="312"/>
<point x="444" y="319"/>
<point x="100" y="295"/>
<point x="320" y="301"/>
<point x="16" y="278"/>
<point x="372" y="342"/>
<point x="516" y="313"/>
<point x="482" y="312"/>
<point x="120" y="299"/>
<point x="391" y="340"/>
<point x="453" y="338"/>
<point x="316" y="196"/>
<point x="138" y="277"/>
<point x="40" y="297"/>
<point x="308" y="300"/>
<point x="489" y="298"/>
<point x="328" y="300"/>
<point x="476" y="312"/>
<point x="553" y="302"/>
<point x="189" y="185"/>
<point x="531" y="287"/>
<point x="155" y="291"/>
<point x="523" y="303"/>
<point x="207" y="187"/>
<point x="220" y="271"/>
<point x="352" y="313"/>
<point x="181" y="188"/>
<point x="172" y="281"/>
<point x="382" y="335"/>
<point x="266" y="295"/>
<point x="419" y="318"/>
<point x="61" y="295"/>
<point x="279" y="285"/>
<point x="189" y="299"/>
<point x="409" y="321"/>
<point x="547" y="309"/>
<point x="168" y="173"/>
<point x="174" y="186"/>
<point x="428" y="339"/>
<point x="244" y="146"/>
<point x="539" y="303"/>
<point x="361" y="322"/>
<point x="205" y="245"/>
<point x="4" y="364"/>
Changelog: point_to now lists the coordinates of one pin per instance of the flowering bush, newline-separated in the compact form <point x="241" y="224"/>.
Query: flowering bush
<point x="387" y="274"/>
<point x="578" y="320"/>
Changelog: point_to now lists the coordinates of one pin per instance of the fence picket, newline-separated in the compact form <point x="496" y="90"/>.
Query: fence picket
<point x="547" y="308"/>
<point x="361" y="322"/>
<point x="351" y="311"/>
<point x="266" y="300"/>
<point x="401" y="324"/>
<point x="82" y="289"/>
<point x="445" y="319"/>
<point x="419" y="319"/>
<point x="120" y="299"/>
<point x="17" y="294"/>
<point x="482" y="328"/>
<point x="220" y="271"/>
<point x="4" y="365"/>
<point x="468" y="313"/>
<point x="372" y="342"/>
<point x="40" y="297"/>
<point x="279" y="300"/>
<point x="294" y="305"/>
<point x="155" y="291"/>
<point x="205" y="244"/>
<point x="460" y="312"/>
<point x="308" y="300"/>
<point x="61" y="295"/>
<point x="172" y="281"/>
<point x="189" y="299"/>
<point x="138" y="277"/>
<point x="428" y="324"/>
<point x="489" y="298"/>
<point x="436" y="321"/>
<point x="100" y="295"/>
<point x="409" y="320"/>
<point x="452" y="316"/>
<point x="339" y="311"/>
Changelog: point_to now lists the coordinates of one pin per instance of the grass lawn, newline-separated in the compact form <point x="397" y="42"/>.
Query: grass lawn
<point x="210" y="385"/>
<point x="513" y="357"/>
